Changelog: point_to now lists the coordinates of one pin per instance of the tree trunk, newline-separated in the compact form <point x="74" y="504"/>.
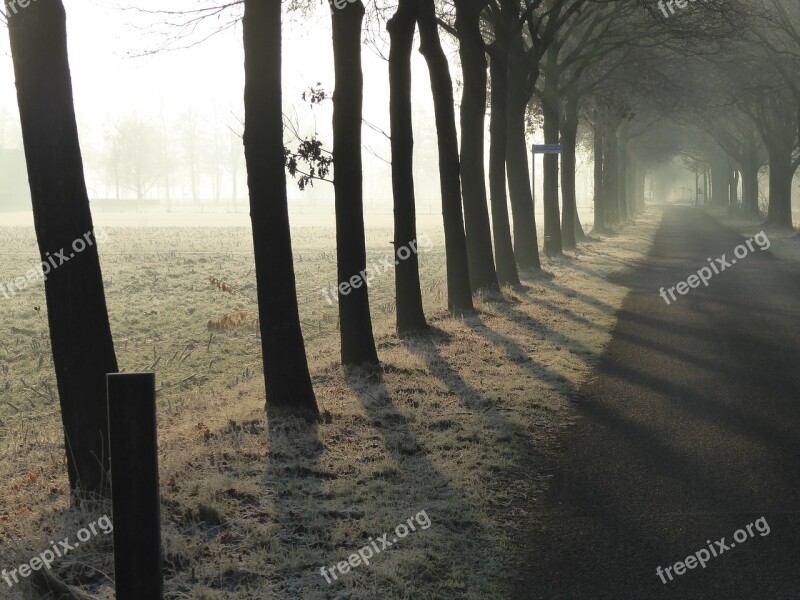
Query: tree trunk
<point x="580" y="234"/>
<point x="459" y="296"/>
<point x="526" y="244"/>
<point x="498" y="141"/>
<point x="696" y="200"/>
<point x="720" y="181"/>
<point x="622" y="171"/>
<point x="83" y="350"/>
<point x="610" y="176"/>
<point x="410" y="315"/>
<point x="600" y="211"/>
<point x="193" y="176"/>
<point x="552" y="229"/>
<point x="286" y="376"/>
<point x="358" y="342"/>
<point x="639" y="185"/>
<point x="630" y="194"/>
<point x="569" y="135"/>
<point x="116" y="178"/>
<point x="482" y="272"/>
<point x="734" y="189"/>
<point x="750" y="185"/>
<point x="779" y="213"/>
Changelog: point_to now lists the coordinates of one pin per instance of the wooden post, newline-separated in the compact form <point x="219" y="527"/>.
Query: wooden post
<point x="135" y="495"/>
<point x="533" y="179"/>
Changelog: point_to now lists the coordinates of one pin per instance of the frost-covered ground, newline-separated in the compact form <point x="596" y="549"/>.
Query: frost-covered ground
<point x="458" y="423"/>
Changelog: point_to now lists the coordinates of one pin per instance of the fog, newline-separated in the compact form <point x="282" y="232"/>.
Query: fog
<point x="173" y="100"/>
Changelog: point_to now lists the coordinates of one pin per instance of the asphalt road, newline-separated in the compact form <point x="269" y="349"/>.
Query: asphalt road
<point x="689" y="431"/>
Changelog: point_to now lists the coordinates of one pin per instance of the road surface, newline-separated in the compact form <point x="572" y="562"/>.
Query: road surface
<point x="689" y="430"/>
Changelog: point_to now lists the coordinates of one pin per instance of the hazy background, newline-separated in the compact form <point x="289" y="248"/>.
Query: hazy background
<point x="176" y="105"/>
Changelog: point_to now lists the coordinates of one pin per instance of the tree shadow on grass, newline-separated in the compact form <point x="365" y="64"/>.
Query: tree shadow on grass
<point x="455" y="528"/>
<point x="521" y="472"/>
<point x="295" y="482"/>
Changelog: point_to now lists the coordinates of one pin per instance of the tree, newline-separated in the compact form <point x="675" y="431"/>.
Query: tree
<point x="471" y="48"/>
<point x="410" y="314"/>
<point x="459" y="297"/>
<point x="569" y="143"/>
<point x="505" y="29"/>
<point x="778" y="30"/>
<point x="358" y="342"/>
<point x="192" y="142"/>
<point x="520" y="89"/>
<point x="560" y="17"/>
<point x="136" y="158"/>
<point x="80" y="334"/>
<point x="550" y="110"/>
<point x="600" y="218"/>
<point x="776" y="119"/>
<point x="588" y="57"/>
<point x="233" y="162"/>
<point x="286" y="375"/>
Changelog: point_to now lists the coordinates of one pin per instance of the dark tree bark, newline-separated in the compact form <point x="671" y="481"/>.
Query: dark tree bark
<point x="622" y="172"/>
<point x="358" y="342"/>
<point x="580" y="234"/>
<point x="720" y="180"/>
<point x="410" y="314"/>
<point x="781" y="174"/>
<point x="473" y="179"/>
<point x="498" y="124"/>
<point x="776" y="121"/>
<point x="526" y="244"/>
<point x="286" y="375"/>
<point x="734" y="188"/>
<point x="550" y="110"/>
<point x="569" y="136"/>
<point x="696" y="200"/>
<point x="638" y="185"/>
<point x="459" y="296"/>
<point x="600" y="211"/>
<point x="610" y="175"/>
<point x="83" y="350"/>
<point x="630" y="194"/>
<point x="750" y="168"/>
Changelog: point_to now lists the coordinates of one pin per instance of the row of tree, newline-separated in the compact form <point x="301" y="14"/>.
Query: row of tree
<point x="627" y="83"/>
<point x="194" y="159"/>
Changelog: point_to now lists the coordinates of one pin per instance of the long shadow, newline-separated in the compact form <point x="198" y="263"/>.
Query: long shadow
<point x="516" y="353"/>
<point x="469" y="397"/>
<point x="738" y="422"/>
<point x="560" y="310"/>
<point x="482" y="406"/>
<point x="585" y="298"/>
<point x="537" y="328"/>
<point x="448" y="512"/>
<point x="690" y="358"/>
<point x="295" y="481"/>
<point x="689" y="430"/>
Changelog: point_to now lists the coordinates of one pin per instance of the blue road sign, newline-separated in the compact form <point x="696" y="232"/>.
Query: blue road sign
<point x="547" y="148"/>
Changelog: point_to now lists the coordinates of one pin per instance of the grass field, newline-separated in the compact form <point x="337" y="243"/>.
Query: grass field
<point x="458" y="423"/>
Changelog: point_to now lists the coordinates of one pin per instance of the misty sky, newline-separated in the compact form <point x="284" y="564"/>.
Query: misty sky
<point x="109" y="79"/>
<point x="112" y="79"/>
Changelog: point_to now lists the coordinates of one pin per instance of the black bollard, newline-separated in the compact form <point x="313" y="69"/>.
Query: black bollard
<point x="135" y="495"/>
